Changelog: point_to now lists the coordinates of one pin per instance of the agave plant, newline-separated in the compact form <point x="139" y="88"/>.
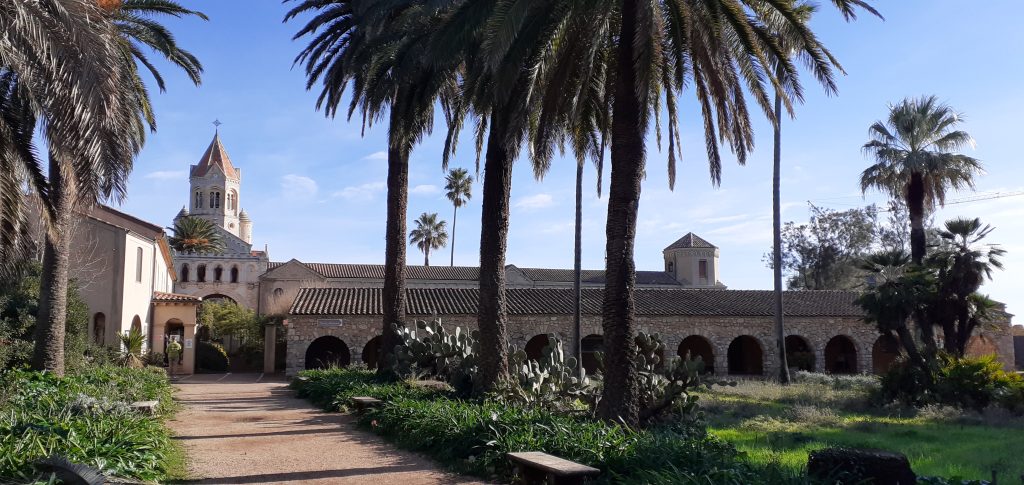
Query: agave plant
<point x="131" y="348"/>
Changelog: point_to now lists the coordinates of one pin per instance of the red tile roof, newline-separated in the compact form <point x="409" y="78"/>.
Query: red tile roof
<point x="161" y="297"/>
<point x="559" y="301"/>
<point x="691" y="240"/>
<point x="215" y="156"/>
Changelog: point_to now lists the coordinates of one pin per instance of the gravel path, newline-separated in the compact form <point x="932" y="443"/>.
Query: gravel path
<point x="245" y="428"/>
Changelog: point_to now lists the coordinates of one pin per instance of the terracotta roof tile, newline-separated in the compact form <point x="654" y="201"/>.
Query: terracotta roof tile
<point x="159" y="296"/>
<point x="559" y="301"/>
<point x="595" y="276"/>
<point x="691" y="240"/>
<point x="215" y="156"/>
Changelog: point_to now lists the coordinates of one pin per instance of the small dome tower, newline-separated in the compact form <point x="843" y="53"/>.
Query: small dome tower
<point x="245" y="227"/>
<point x="693" y="262"/>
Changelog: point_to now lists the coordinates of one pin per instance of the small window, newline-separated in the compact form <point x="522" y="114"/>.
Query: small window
<point x="138" y="265"/>
<point x="670" y="266"/>
<point x="278" y="292"/>
<point x="201" y="273"/>
<point x="184" y="273"/>
<point x="217" y="273"/>
<point x="702" y="270"/>
<point x="234" y="274"/>
<point x="199" y="200"/>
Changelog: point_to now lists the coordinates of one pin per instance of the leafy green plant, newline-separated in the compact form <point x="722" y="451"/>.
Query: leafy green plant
<point x="131" y="348"/>
<point x="85" y="418"/>
<point x="430" y="349"/>
<point x="211" y="356"/>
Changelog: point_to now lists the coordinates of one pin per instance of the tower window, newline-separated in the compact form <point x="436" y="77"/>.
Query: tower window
<point x="184" y="273"/>
<point x="199" y="200"/>
<point x="702" y="271"/>
<point x="138" y="265"/>
<point x="215" y="200"/>
<point x="201" y="273"/>
<point x="669" y="266"/>
<point x="234" y="274"/>
<point x="217" y="273"/>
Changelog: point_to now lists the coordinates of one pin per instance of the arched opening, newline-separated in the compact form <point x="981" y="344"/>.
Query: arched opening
<point x="218" y="296"/>
<point x="591" y="345"/>
<point x="174" y="330"/>
<point x="980" y="346"/>
<point x="884" y="353"/>
<point x="535" y="347"/>
<point x="799" y="354"/>
<point x="327" y="351"/>
<point x="137" y="324"/>
<point x="696" y="346"/>
<point x="218" y="273"/>
<point x="184" y="273"/>
<point x="99" y="328"/>
<point x="840" y="356"/>
<point x="745" y="356"/>
<point x="201" y="273"/>
<point x="234" y="274"/>
<point x="371" y="352"/>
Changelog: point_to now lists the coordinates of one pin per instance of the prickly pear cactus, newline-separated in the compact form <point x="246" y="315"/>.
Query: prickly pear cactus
<point x="430" y="350"/>
<point x="549" y="379"/>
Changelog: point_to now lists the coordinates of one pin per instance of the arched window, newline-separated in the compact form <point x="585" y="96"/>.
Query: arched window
<point x="138" y="265"/>
<point x="199" y="200"/>
<point x="99" y="328"/>
<point x="217" y="273"/>
<point x="215" y="200"/>
<point x="234" y="202"/>
<point x="234" y="274"/>
<point x="201" y="273"/>
<point x="184" y="273"/>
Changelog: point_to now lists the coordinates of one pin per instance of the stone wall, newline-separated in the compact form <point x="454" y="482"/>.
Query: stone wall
<point x="720" y="332"/>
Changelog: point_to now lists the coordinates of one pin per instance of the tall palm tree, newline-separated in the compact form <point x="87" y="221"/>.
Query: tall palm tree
<point x="195" y="235"/>
<point x="962" y="264"/>
<point x="378" y="47"/>
<point x="428" y="235"/>
<point x="790" y="40"/>
<point x="916" y="157"/>
<point x="458" y="188"/>
<point x="897" y="294"/>
<point x="132" y="23"/>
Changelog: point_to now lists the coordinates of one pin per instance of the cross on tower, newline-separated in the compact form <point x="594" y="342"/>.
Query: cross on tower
<point x="216" y="125"/>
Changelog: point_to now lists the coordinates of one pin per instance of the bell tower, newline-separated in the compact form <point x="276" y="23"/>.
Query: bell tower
<point x="693" y="262"/>
<point x="215" y="189"/>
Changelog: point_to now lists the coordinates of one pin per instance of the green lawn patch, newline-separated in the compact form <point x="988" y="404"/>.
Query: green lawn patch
<point x="772" y="424"/>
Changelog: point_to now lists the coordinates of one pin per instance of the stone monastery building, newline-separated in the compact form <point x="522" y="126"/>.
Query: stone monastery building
<point x="333" y="311"/>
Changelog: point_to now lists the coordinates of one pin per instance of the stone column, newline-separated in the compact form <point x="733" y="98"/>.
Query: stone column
<point x="269" y="348"/>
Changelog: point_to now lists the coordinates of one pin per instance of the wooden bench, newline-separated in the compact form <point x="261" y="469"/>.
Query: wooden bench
<point x="536" y="467"/>
<point x="363" y="403"/>
<point x="145" y="407"/>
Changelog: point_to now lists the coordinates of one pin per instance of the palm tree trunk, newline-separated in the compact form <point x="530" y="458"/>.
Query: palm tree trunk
<point x="577" y="313"/>
<point x="620" y="400"/>
<point x="780" y="327"/>
<point x="455" y="217"/>
<point x="491" y="316"/>
<point x="394" y="246"/>
<point x="915" y="206"/>
<point x="426" y="256"/>
<point x="51" y="320"/>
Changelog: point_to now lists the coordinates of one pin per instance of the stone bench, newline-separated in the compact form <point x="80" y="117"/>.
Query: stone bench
<point x="538" y="467"/>
<point x="145" y="407"/>
<point x="363" y="403"/>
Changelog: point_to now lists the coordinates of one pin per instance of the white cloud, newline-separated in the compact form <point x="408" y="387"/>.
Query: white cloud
<point x="534" y="202"/>
<point x="425" y="189"/>
<point x="298" y="186"/>
<point x="166" y="175"/>
<point x="360" y="192"/>
<point x="381" y="155"/>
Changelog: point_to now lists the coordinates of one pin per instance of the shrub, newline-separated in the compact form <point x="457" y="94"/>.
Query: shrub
<point x="210" y="356"/>
<point x="85" y="418"/>
<point x="968" y="383"/>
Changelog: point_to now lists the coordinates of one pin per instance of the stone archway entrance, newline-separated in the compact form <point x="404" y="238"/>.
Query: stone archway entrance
<point x="371" y="352"/>
<point x="327" y="351"/>
<point x="745" y="356"/>
<point x="535" y="346"/>
<point x="840" y="356"/>
<point x="884" y="353"/>
<point x="697" y="346"/>
<point x="799" y="354"/>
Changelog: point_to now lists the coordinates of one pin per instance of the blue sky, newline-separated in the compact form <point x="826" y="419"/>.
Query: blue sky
<point x="314" y="187"/>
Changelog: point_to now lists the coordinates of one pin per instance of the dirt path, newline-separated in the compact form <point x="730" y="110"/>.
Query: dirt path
<point x="244" y="428"/>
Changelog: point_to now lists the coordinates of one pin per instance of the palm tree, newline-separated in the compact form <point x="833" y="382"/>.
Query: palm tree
<point x="916" y="160"/>
<point x="962" y="264"/>
<point x="429" y="234"/>
<point x="131" y="24"/>
<point x="790" y="40"/>
<point x="459" y="189"/>
<point x="61" y="69"/>
<point x="898" y="292"/>
<point x="378" y="47"/>
<point x="195" y="235"/>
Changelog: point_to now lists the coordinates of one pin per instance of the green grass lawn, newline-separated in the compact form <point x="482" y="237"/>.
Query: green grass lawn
<point x="772" y="423"/>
